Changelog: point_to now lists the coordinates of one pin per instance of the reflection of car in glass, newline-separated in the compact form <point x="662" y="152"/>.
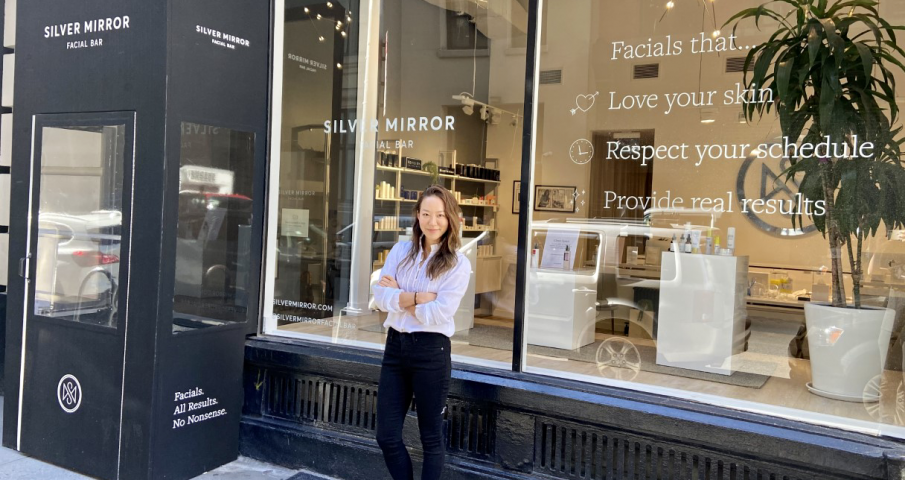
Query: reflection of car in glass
<point x="213" y="240"/>
<point x="77" y="263"/>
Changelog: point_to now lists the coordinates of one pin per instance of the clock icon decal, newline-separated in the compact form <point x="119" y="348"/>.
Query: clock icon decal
<point x="581" y="151"/>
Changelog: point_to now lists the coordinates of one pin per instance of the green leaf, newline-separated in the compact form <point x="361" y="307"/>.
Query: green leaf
<point x="783" y="76"/>
<point x="837" y="46"/>
<point x="867" y="59"/>
<point x="815" y="41"/>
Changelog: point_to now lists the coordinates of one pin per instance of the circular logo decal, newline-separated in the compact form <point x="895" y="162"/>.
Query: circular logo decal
<point x="762" y="180"/>
<point x="69" y="393"/>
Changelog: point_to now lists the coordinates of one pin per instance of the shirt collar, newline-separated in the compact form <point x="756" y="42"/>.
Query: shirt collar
<point x="433" y="249"/>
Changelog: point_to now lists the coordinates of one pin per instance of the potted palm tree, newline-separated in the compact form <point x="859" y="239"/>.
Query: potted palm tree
<point x="829" y="67"/>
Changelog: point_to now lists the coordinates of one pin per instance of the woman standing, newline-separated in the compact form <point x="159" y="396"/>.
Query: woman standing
<point x="421" y="285"/>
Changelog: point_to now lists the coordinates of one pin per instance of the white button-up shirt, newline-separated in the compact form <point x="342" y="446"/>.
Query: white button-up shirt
<point x="435" y="316"/>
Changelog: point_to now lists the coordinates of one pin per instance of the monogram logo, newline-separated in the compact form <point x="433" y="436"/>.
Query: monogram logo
<point x="69" y="393"/>
<point x="761" y="179"/>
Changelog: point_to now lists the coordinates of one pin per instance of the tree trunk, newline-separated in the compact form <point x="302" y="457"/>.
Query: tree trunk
<point x="834" y="238"/>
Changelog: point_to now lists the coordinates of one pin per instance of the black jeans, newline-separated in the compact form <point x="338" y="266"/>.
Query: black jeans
<point x="413" y="363"/>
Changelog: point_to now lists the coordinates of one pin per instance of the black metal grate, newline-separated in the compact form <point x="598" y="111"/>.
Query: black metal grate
<point x="551" y="77"/>
<point x="572" y="452"/>
<point x="314" y="399"/>
<point x="646" y="70"/>
<point x="348" y="406"/>
<point x="471" y="428"/>
<point x="735" y="64"/>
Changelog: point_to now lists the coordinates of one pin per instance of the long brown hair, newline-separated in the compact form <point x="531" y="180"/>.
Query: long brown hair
<point x="446" y="256"/>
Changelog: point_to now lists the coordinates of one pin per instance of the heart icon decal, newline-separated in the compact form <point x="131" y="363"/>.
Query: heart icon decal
<point x="584" y="102"/>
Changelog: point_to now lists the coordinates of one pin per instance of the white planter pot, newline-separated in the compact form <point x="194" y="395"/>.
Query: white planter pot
<point x="848" y="349"/>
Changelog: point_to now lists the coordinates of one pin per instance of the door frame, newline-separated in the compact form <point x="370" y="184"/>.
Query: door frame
<point x="27" y="265"/>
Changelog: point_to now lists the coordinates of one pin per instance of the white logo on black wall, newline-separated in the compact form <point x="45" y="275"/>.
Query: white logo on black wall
<point x="69" y="393"/>
<point x="84" y="28"/>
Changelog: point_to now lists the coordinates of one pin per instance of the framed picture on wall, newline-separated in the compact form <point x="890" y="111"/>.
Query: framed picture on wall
<point x="548" y="198"/>
<point x="516" y="191"/>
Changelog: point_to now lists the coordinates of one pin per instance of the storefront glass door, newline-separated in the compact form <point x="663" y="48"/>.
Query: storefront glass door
<point x="77" y="295"/>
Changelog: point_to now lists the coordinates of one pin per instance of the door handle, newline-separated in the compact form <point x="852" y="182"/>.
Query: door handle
<point x="23" y="266"/>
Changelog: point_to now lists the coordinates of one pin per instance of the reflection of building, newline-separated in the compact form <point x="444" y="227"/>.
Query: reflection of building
<point x="569" y="362"/>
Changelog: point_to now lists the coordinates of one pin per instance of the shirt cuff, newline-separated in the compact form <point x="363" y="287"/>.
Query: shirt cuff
<point x="394" y="301"/>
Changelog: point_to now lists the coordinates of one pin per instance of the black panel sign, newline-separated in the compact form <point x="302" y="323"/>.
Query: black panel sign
<point x="109" y="390"/>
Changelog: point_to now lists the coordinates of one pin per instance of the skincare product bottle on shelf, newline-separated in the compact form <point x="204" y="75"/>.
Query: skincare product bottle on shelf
<point x="716" y="245"/>
<point x="688" y="243"/>
<point x="534" y="256"/>
<point x="566" y="259"/>
<point x="674" y="244"/>
<point x="695" y="241"/>
<point x="709" y="248"/>
<point x="730" y="240"/>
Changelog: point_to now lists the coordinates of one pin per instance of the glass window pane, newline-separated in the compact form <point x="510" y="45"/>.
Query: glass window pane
<point x="442" y="103"/>
<point x="214" y="227"/>
<point x="79" y="223"/>
<point x="679" y="243"/>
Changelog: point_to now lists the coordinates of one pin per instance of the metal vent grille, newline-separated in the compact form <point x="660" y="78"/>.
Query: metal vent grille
<point x="314" y="399"/>
<point x="551" y="77"/>
<point x="735" y="64"/>
<point x="570" y="451"/>
<point x="646" y="70"/>
<point x="471" y="429"/>
<point x="352" y="407"/>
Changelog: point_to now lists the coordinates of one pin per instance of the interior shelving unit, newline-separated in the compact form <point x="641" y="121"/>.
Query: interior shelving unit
<point x="488" y="272"/>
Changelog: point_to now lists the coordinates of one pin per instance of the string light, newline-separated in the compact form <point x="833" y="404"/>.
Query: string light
<point x="319" y="16"/>
<point x="306" y="10"/>
<point x="342" y="33"/>
<point x="670" y="4"/>
<point x="321" y="38"/>
<point x="330" y="4"/>
<point x="339" y="66"/>
<point x="716" y="33"/>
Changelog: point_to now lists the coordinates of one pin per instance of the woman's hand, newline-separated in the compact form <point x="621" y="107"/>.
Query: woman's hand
<point x="388" y="281"/>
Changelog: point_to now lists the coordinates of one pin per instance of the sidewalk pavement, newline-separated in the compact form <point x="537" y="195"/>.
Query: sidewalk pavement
<point x="16" y="466"/>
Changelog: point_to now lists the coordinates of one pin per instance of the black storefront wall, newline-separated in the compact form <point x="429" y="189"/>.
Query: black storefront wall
<point x="161" y="64"/>
<point x="309" y="405"/>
